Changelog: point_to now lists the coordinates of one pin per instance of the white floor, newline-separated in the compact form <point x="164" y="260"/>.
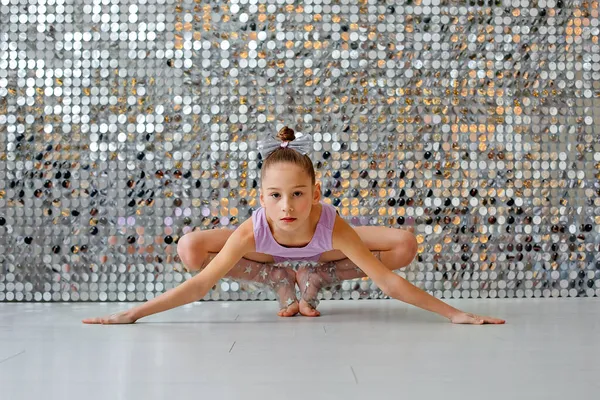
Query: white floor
<point x="549" y="349"/>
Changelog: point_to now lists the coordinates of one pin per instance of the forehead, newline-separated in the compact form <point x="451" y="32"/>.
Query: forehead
<point x="285" y="175"/>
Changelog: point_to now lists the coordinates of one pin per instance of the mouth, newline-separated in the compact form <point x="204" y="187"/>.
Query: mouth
<point x="288" y="219"/>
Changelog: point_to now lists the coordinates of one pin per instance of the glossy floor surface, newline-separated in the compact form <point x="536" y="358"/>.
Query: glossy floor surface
<point x="548" y="349"/>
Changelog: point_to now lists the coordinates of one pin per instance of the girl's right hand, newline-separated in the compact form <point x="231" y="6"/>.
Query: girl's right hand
<point x="474" y="319"/>
<point x="123" y="317"/>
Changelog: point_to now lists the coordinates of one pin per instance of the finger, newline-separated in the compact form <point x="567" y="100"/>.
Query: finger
<point x="91" y="321"/>
<point x="491" y="320"/>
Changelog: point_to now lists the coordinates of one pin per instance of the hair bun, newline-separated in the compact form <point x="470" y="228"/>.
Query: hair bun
<point x="286" y="134"/>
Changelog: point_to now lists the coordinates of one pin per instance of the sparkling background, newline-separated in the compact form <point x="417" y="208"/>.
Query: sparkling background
<point x="126" y="124"/>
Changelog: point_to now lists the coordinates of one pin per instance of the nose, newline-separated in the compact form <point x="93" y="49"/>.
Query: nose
<point x="286" y="207"/>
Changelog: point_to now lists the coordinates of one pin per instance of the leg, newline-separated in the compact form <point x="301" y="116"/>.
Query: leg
<point x="196" y="249"/>
<point x="397" y="250"/>
<point x="193" y="248"/>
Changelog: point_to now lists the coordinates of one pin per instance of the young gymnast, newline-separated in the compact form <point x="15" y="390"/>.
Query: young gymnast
<point x="293" y="224"/>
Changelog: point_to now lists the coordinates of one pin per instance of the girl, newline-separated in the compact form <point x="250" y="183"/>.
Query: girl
<point x="293" y="224"/>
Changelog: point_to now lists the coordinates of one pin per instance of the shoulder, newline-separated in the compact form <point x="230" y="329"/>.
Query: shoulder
<point x="329" y="214"/>
<point x="343" y="234"/>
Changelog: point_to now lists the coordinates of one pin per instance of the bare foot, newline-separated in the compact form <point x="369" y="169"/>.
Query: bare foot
<point x="310" y="281"/>
<point x="283" y="282"/>
<point x="123" y="317"/>
<point x="307" y="310"/>
<point x="290" y="310"/>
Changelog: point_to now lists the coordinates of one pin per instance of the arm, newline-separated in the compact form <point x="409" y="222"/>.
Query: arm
<point x="239" y="243"/>
<point x="347" y="240"/>
<point x="196" y="288"/>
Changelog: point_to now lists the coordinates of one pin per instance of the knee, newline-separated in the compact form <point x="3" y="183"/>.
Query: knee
<point x="190" y="251"/>
<point x="406" y="248"/>
<point x="411" y="243"/>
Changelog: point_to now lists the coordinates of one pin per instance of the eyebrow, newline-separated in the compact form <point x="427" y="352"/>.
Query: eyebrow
<point x="293" y="187"/>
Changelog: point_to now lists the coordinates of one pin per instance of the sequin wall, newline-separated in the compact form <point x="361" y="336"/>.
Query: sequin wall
<point x="126" y="124"/>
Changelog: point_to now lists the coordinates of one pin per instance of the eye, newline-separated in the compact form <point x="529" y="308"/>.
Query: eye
<point x="274" y="194"/>
<point x="299" y="193"/>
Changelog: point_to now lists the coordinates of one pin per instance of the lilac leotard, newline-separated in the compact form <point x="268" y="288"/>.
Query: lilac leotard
<point x="320" y="242"/>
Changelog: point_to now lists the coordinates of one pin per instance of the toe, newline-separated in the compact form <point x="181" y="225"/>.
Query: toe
<point x="285" y="313"/>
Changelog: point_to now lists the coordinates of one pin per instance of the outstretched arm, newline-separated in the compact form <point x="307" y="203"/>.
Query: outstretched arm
<point x="238" y="244"/>
<point x="347" y="240"/>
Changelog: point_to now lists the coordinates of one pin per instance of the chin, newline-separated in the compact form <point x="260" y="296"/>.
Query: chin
<point x="288" y="227"/>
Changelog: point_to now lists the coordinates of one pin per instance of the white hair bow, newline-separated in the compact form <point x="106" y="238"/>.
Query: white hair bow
<point x="302" y="144"/>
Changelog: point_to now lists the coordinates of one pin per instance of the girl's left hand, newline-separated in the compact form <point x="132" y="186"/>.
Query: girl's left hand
<point x="123" y="317"/>
<point x="474" y="319"/>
